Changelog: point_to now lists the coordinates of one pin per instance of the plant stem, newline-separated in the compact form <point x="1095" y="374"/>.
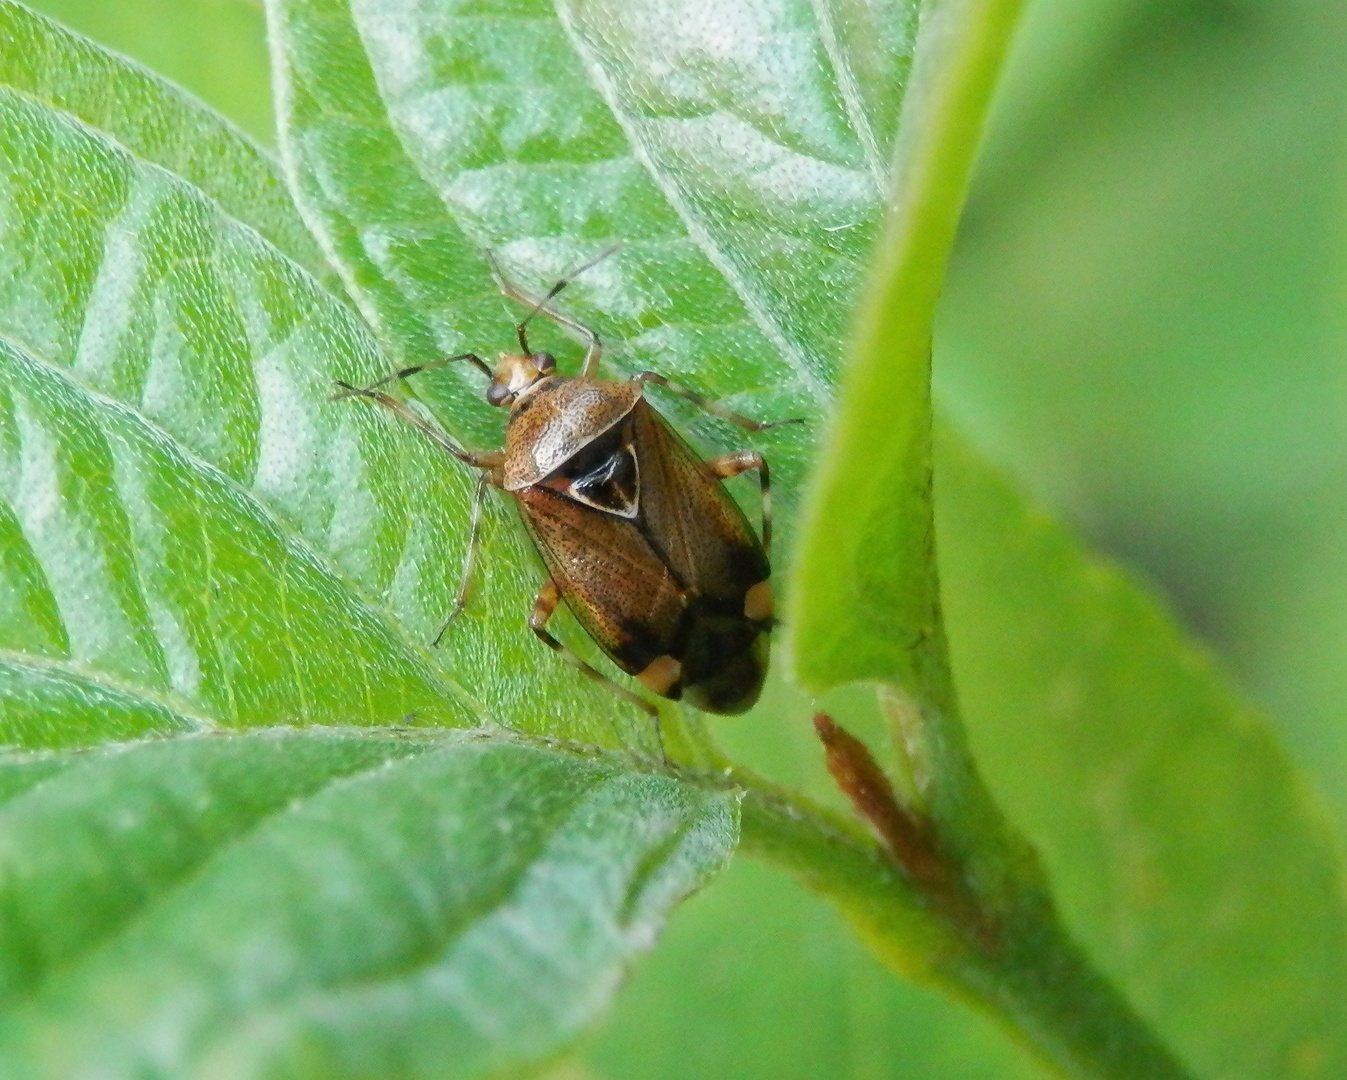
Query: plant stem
<point x="961" y="50"/>
<point x="1034" y="980"/>
<point x="962" y="900"/>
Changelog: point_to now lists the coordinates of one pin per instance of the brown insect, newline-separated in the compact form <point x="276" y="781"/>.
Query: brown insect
<point x="639" y="536"/>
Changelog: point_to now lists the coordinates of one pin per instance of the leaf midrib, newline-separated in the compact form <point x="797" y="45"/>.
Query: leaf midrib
<point x="269" y="516"/>
<point x="848" y="90"/>
<point x="437" y="944"/>
<point x="792" y="352"/>
<point x="192" y="106"/>
<point x="105" y="681"/>
<point x="175" y="882"/>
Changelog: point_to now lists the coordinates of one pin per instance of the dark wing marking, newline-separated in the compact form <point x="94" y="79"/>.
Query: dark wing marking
<point x="604" y="474"/>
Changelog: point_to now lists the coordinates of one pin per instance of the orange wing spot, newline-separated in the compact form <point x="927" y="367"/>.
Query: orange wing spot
<point x="758" y="603"/>
<point x="661" y="674"/>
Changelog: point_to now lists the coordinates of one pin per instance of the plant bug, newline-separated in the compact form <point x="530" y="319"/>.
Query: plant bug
<point x="639" y="536"/>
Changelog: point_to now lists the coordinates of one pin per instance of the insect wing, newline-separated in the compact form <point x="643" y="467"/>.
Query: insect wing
<point x="613" y="581"/>
<point x="690" y="518"/>
<point x="663" y="594"/>
<point x="706" y="542"/>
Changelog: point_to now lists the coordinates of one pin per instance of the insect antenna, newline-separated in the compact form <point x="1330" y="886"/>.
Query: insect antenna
<point x="538" y="306"/>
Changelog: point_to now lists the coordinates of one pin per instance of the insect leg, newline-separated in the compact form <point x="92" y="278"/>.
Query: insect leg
<point x="593" y="350"/>
<point x="741" y="461"/>
<point x="470" y="559"/>
<point x="476" y="459"/>
<point x="543" y="607"/>
<point x="714" y="408"/>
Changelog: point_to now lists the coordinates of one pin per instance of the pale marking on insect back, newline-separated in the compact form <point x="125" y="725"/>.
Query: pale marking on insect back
<point x="661" y="673"/>
<point x="758" y="601"/>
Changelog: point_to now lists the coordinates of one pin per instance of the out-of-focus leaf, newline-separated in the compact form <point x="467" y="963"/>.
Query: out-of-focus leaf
<point x="1145" y="321"/>
<point x="1183" y="846"/>
<point x="329" y="904"/>
<point x="215" y="48"/>
<point x="758" y="980"/>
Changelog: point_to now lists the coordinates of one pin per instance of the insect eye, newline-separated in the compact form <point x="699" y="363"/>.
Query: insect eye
<point x="496" y="394"/>
<point x="545" y="361"/>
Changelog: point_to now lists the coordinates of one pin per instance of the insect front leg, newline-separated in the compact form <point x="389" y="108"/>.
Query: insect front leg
<point x="470" y="559"/>
<point x="741" y="461"/>
<point x="478" y="460"/>
<point x="543" y="608"/>
<point x="713" y="407"/>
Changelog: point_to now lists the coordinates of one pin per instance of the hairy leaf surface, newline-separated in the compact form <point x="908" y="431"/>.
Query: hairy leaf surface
<point x="329" y="903"/>
<point x="142" y="291"/>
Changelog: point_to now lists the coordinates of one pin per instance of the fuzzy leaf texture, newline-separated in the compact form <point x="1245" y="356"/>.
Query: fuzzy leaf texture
<point x="328" y="903"/>
<point x="178" y="493"/>
<point x="197" y="538"/>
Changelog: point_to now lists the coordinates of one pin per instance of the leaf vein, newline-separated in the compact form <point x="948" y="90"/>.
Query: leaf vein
<point x="848" y="87"/>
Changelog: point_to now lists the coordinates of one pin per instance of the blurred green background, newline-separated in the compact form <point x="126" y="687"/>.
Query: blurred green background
<point x="1146" y="320"/>
<point x="1145" y="323"/>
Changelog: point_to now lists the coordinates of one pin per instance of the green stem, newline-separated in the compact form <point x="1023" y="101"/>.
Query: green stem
<point x="857" y="618"/>
<point x="1035" y="981"/>
<point x="961" y="51"/>
<point x="867" y="609"/>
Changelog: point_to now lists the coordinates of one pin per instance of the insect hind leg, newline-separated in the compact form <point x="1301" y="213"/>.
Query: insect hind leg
<point x="543" y="608"/>
<point x="713" y="407"/>
<point x="741" y="461"/>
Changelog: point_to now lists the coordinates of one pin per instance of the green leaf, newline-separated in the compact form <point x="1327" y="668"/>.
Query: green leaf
<point x="1183" y="846"/>
<point x="707" y="1004"/>
<point x="155" y="120"/>
<point x="175" y="368"/>
<point x="147" y="568"/>
<point x="195" y="536"/>
<point x="1164" y="371"/>
<point x="645" y="61"/>
<point x="418" y="135"/>
<point x="329" y="904"/>
<point x="869" y="597"/>
<point x="774" y="147"/>
<point x="145" y="293"/>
